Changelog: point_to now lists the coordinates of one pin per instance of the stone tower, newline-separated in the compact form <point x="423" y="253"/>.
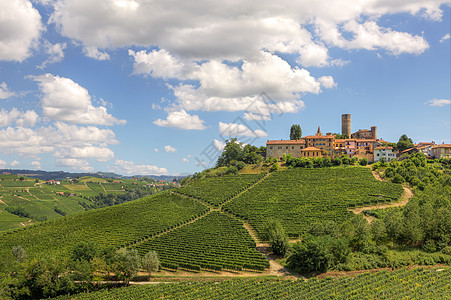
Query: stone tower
<point x="346" y="124"/>
<point x="374" y="132"/>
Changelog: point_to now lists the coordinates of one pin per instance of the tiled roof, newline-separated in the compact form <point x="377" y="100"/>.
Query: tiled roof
<point x="383" y="147"/>
<point x="319" y="137"/>
<point x="442" y="146"/>
<point x="362" y="130"/>
<point x="311" y="149"/>
<point x="285" y="142"/>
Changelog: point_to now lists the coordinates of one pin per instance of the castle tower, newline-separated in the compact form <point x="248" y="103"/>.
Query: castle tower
<point x="346" y="124"/>
<point x="318" y="133"/>
<point x="374" y="132"/>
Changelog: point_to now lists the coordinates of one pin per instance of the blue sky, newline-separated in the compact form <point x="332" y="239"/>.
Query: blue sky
<point x="155" y="87"/>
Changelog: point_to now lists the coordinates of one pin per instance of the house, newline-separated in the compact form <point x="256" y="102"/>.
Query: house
<point x="442" y="151"/>
<point x="311" y="152"/>
<point x="277" y="148"/>
<point x="323" y="142"/>
<point x="384" y="152"/>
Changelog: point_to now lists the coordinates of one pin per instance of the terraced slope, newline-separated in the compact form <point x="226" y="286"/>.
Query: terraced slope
<point x="298" y="197"/>
<point x="214" y="242"/>
<point x="400" y="284"/>
<point x="217" y="190"/>
<point x="113" y="226"/>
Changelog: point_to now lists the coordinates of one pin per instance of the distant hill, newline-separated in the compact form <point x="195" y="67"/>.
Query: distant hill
<point x="61" y="175"/>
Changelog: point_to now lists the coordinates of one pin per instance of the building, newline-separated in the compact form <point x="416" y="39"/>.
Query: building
<point x="442" y="151"/>
<point x="311" y="152"/>
<point x="384" y="152"/>
<point x="346" y="124"/>
<point x="323" y="142"/>
<point x="277" y="148"/>
<point x="365" y="134"/>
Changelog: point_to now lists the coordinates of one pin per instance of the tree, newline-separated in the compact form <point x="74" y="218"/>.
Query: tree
<point x="363" y="161"/>
<point x="232" y="151"/>
<point x="19" y="253"/>
<point x="127" y="263"/>
<point x="84" y="251"/>
<point x="275" y="234"/>
<point x="404" y="143"/>
<point x="150" y="262"/>
<point x="295" y="132"/>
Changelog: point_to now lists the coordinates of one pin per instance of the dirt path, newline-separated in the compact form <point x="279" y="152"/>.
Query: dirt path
<point x="251" y="232"/>
<point x="404" y="199"/>
<point x="1" y="201"/>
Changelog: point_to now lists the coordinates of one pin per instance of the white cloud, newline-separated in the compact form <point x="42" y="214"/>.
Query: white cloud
<point x="36" y="165"/>
<point x="169" y="148"/>
<point x="95" y="53"/>
<point x="65" y="100"/>
<point x="234" y="129"/>
<point x="438" y="102"/>
<point x="327" y="82"/>
<point x="185" y="160"/>
<point x="219" y="145"/>
<point x="5" y="93"/>
<point x="181" y="119"/>
<point x="156" y="64"/>
<point x="130" y="168"/>
<point x="19" y="118"/>
<point x="156" y="150"/>
<point x="75" y="164"/>
<point x="445" y="37"/>
<point x="55" y="52"/>
<point x="3" y="164"/>
<point x="97" y="153"/>
<point x="257" y="117"/>
<point x="14" y="163"/>
<point x="20" y="29"/>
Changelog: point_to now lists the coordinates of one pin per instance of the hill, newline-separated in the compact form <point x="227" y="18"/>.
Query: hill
<point x="217" y="224"/>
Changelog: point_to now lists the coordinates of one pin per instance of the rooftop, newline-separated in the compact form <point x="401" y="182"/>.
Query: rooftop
<point x="285" y="142"/>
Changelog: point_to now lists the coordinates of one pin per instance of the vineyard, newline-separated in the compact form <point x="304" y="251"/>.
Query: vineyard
<point x="400" y="284"/>
<point x="214" y="242"/>
<point x="298" y="197"/>
<point x="217" y="190"/>
<point x="112" y="226"/>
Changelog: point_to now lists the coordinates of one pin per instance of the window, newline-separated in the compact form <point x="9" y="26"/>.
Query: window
<point x="292" y="147"/>
<point x="286" y="147"/>
<point x="270" y="147"/>
<point x="280" y="147"/>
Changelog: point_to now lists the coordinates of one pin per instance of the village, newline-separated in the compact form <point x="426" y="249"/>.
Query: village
<point x="361" y="144"/>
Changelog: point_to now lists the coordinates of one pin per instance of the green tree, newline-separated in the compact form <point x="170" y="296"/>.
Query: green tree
<point x="232" y="151"/>
<point x="404" y="143"/>
<point x="84" y="251"/>
<point x="127" y="263"/>
<point x="19" y="253"/>
<point x="295" y="132"/>
<point x="363" y="161"/>
<point x="275" y="234"/>
<point x="151" y="262"/>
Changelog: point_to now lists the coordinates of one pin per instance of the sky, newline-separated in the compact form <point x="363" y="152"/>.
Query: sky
<point x="156" y="87"/>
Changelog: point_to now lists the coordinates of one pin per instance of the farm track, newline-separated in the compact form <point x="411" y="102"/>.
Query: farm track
<point x="408" y="193"/>
<point x="1" y="201"/>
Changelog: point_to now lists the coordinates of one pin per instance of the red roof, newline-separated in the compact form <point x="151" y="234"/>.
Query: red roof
<point x="285" y="142"/>
<point x="442" y="146"/>
<point x="319" y="137"/>
<point x="311" y="149"/>
<point x="383" y="147"/>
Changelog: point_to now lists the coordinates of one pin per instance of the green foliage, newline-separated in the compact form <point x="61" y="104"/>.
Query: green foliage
<point x="84" y="251"/>
<point x="298" y="197"/>
<point x="113" y="226"/>
<point x="363" y="161"/>
<point x="400" y="284"/>
<point x="229" y="186"/>
<point x="275" y="234"/>
<point x="214" y="242"/>
<point x="19" y="253"/>
<point x="150" y="262"/>
<point x="126" y="264"/>
<point x="235" y="152"/>
<point x="18" y="211"/>
<point x="295" y="132"/>
<point x="404" y="143"/>
<point x="274" y="167"/>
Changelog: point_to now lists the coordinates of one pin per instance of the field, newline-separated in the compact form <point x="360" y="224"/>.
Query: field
<point x="217" y="190"/>
<point x="400" y="284"/>
<point x="115" y="226"/>
<point x="214" y="242"/>
<point x="298" y="197"/>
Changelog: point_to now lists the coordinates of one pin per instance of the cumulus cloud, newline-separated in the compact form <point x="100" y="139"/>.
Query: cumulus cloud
<point x="219" y="145"/>
<point x="14" y="163"/>
<point x="181" y="119"/>
<point x="169" y="148"/>
<point x="5" y="93"/>
<point x="36" y="165"/>
<point x="75" y="164"/>
<point x="19" y="118"/>
<point x="327" y="82"/>
<point x="156" y="64"/>
<point x="156" y="150"/>
<point x="55" y="52"/>
<point x="445" y="37"/>
<point x="65" y="100"/>
<point x="95" y="53"/>
<point x="438" y="102"/>
<point x="185" y="160"/>
<point x="130" y="168"/>
<point x="20" y="29"/>
<point x="3" y="164"/>
<point x="234" y="129"/>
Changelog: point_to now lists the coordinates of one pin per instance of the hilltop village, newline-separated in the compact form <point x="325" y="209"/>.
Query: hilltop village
<point x="361" y="144"/>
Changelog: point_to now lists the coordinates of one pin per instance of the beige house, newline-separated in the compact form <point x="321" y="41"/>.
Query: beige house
<point x="442" y="151"/>
<point x="277" y="148"/>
